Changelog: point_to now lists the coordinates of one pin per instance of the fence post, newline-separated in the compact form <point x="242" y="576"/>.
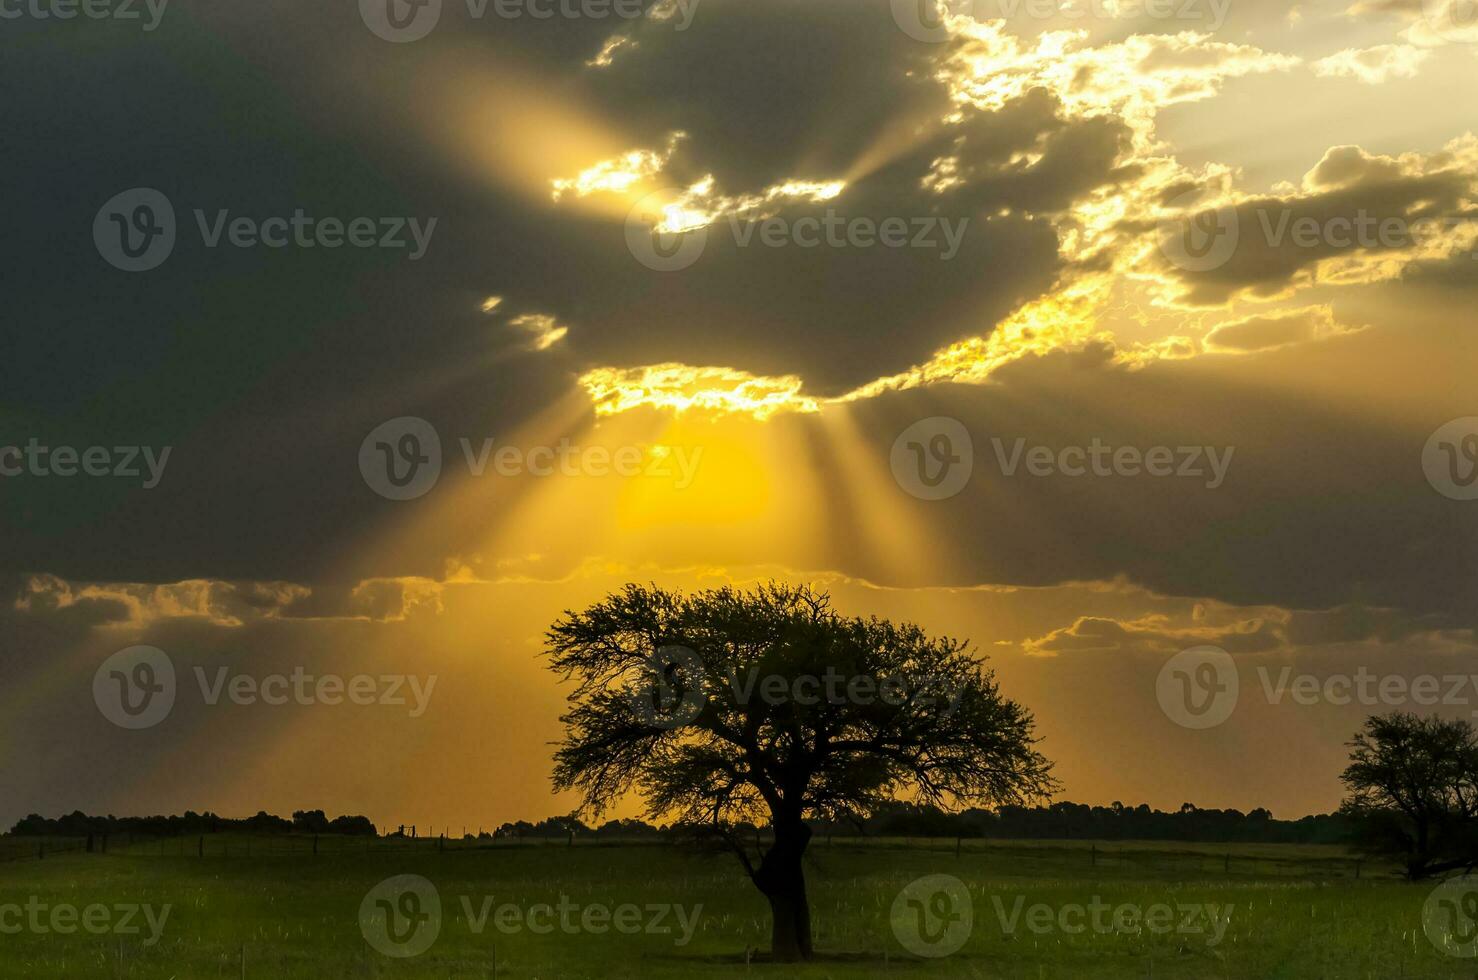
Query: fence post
<point x="41" y="851"/>
<point x="315" y="845"/>
<point x="200" y="846"/>
<point x="1357" y="869"/>
<point x="1093" y="855"/>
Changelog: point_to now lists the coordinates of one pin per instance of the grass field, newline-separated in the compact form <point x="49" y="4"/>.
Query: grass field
<point x="1281" y="912"/>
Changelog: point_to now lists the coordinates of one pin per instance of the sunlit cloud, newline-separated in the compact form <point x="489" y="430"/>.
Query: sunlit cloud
<point x="1362" y="218"/>
<point x="1156" y="634"/>
<point x="1373" y="66"/>
<point x="1133" y="79"/>
<point x="1276" y="329"/>
<point x="684" y="388"/>
<point x="541" y="330"/>
<point x="397" y="599"/>
<point x="134" y="605"/>
<point x="607" y="54"/>
<point x="1063" y="319"/>
<point x="1130" y="80"/>
<point x="619" y="174"/>
<point x="633" y="176"/>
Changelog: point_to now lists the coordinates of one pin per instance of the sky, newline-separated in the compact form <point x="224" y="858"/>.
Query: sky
<point x="1130" y="341"/>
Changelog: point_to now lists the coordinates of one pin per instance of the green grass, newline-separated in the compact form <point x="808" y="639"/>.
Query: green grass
<point x="1296" y="912"/>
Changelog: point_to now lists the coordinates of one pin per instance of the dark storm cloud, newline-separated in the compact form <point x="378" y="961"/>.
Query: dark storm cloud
<point x="1319" y="508"/>
<point x="84" y="612"/>
<point x="1353" y="206"/>
<point x="263" y="368"/>
<point x="1351" y="624"/>
<point x="1457" y="273"/>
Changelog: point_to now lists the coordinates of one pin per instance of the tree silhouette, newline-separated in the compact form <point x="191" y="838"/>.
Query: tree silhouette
<point x="1413" y="789"/>
<point x="727" y="706"/>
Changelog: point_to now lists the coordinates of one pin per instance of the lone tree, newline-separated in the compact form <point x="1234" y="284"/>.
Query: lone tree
<point x="1413" y="791"/>
<point x="766" y="706"/>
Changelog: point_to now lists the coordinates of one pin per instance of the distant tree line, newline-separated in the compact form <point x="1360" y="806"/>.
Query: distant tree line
<point x="555" y="827"/>
<point x="1057" y="821"/>
<point x="79" y="824"/>
<point x="1113" y="822"/>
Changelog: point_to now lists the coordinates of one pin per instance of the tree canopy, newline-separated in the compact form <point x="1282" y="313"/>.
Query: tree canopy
<point x="1413" y="788"/>
<point x="768" y="706"/>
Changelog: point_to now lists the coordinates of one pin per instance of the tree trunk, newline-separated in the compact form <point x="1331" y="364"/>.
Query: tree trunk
<point x="782" y="880"/>
<point x="1420" y="855"/>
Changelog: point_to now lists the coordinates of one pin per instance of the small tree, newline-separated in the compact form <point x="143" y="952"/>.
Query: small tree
<point x="767" y="706"/>
<point x="1413" y="791"/>
<point x="310" y="822"/>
